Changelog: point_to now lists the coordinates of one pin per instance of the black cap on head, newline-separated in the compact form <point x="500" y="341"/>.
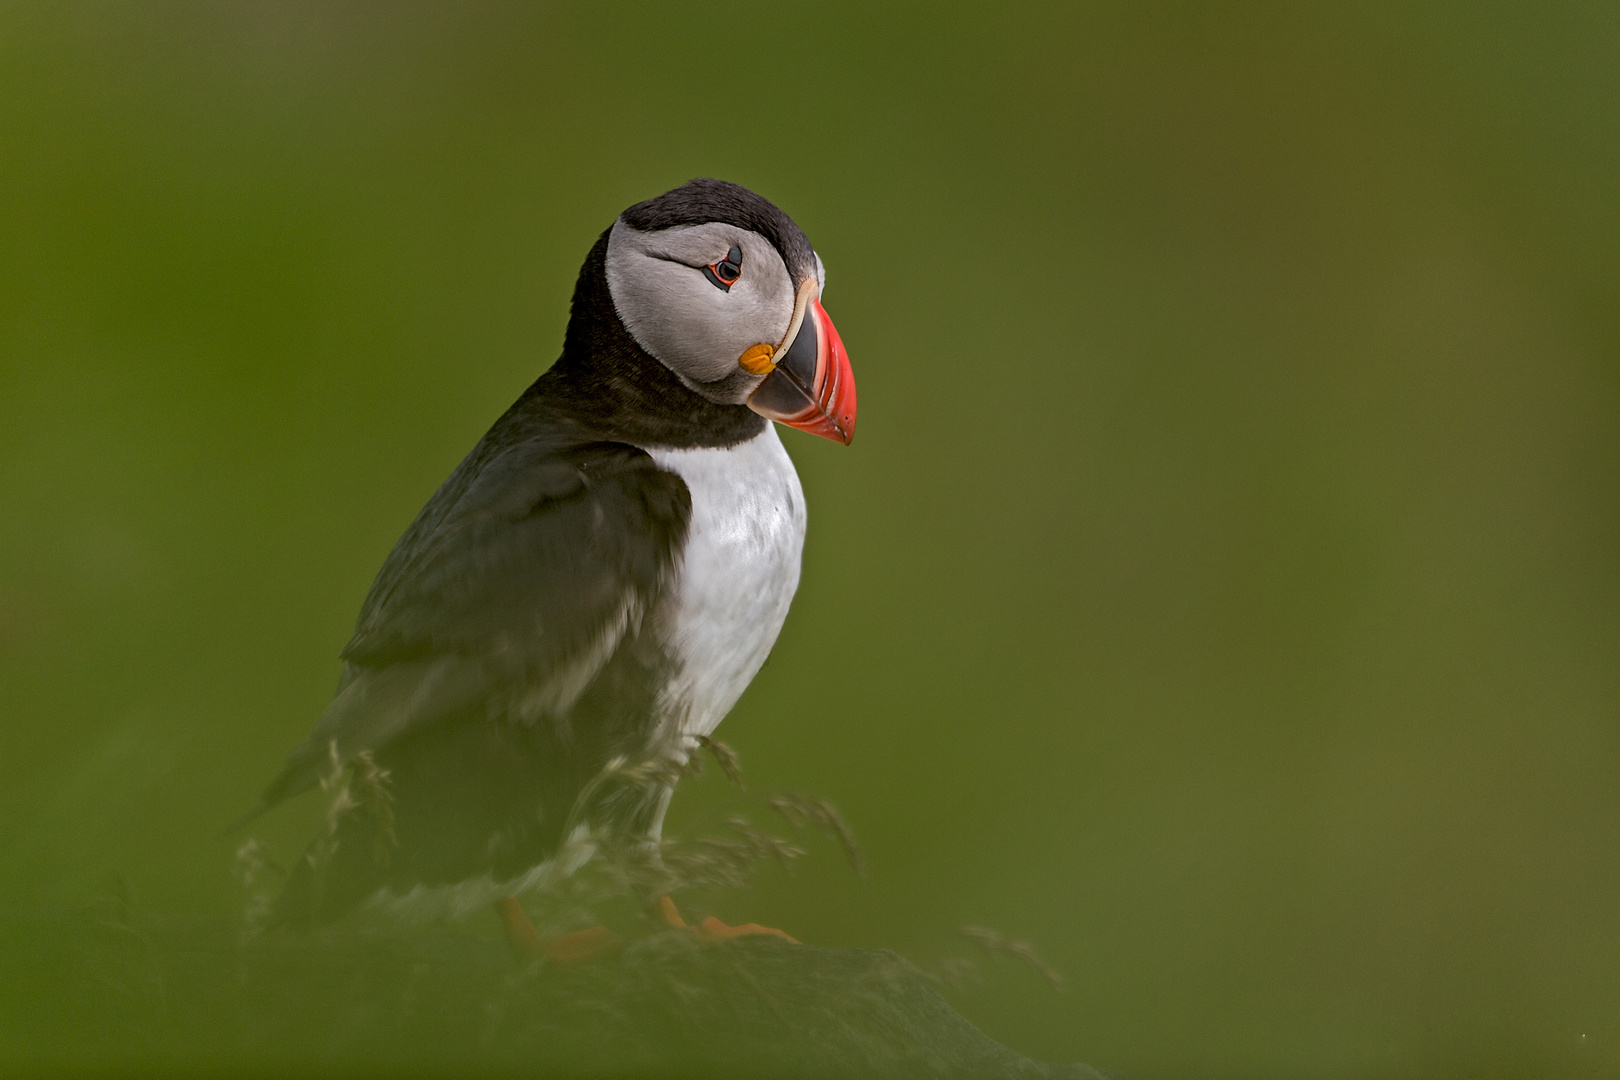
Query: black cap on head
<point x="697" y="202"/>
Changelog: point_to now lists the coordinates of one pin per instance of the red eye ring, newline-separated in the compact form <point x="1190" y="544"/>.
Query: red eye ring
<point x="727" y="272"/>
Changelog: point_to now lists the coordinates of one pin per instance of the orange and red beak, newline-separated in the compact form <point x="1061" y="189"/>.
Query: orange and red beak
<point x="812" y="387"/>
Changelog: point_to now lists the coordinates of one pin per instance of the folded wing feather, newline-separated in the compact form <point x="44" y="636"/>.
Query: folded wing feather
<point x="509" y="592"/>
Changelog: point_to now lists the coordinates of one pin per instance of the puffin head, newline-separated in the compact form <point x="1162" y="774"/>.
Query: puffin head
<point x="723" y="289"/>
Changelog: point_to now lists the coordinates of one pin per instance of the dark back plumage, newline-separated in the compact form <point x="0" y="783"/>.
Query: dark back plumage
<point x="500" y="657"/>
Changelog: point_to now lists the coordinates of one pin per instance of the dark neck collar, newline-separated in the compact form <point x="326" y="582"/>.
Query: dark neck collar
<point x="614" y="389"/>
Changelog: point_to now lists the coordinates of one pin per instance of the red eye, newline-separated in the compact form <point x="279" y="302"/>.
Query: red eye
<point x="724" y="274"/>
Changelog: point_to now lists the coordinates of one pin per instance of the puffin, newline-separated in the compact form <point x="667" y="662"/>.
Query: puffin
<point x="596" y="583"/>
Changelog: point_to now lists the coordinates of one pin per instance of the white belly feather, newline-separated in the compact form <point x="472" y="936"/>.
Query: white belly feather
<point x="737" y="576"/>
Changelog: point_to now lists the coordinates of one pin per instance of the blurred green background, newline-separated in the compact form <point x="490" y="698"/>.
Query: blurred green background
<point x="1223" y="592"/>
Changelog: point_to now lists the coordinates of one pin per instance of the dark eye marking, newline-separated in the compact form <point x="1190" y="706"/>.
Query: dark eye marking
<point x="724" y="274"/>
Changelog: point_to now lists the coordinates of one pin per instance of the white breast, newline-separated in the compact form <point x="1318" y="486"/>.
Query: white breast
<point x="737" y="576"/>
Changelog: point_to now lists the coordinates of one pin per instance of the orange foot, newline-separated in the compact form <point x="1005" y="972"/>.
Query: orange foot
<point x="712" y="929"/>
<point x="573" y="948"/>
<point x="581" y="945"/>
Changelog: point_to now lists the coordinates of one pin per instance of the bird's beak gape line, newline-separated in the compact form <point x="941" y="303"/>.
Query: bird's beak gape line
<point x="808" y="381"/>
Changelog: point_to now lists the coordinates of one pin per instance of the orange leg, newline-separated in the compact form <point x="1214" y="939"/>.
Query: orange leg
<point x="572" y="948"/>
<point x="712" y="929"/>
<point x="670" y="913"/>
<point x="581" y="945"/>
<point x="520" y="932"/>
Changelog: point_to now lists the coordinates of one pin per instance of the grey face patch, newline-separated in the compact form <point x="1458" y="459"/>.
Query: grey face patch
<point x="673" y="311"/>
<point x="706" y="199"/>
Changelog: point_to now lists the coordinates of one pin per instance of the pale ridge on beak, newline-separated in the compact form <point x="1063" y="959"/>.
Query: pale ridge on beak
<point x="811" y="385"/>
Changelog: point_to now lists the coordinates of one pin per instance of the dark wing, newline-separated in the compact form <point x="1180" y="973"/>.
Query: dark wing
<point x="509" y="592"/>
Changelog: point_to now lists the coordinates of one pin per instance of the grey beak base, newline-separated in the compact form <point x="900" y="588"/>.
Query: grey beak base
<point x="787" y="391"/>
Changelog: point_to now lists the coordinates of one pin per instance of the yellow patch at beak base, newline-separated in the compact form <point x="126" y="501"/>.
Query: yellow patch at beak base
<point x="757" y="359"/>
